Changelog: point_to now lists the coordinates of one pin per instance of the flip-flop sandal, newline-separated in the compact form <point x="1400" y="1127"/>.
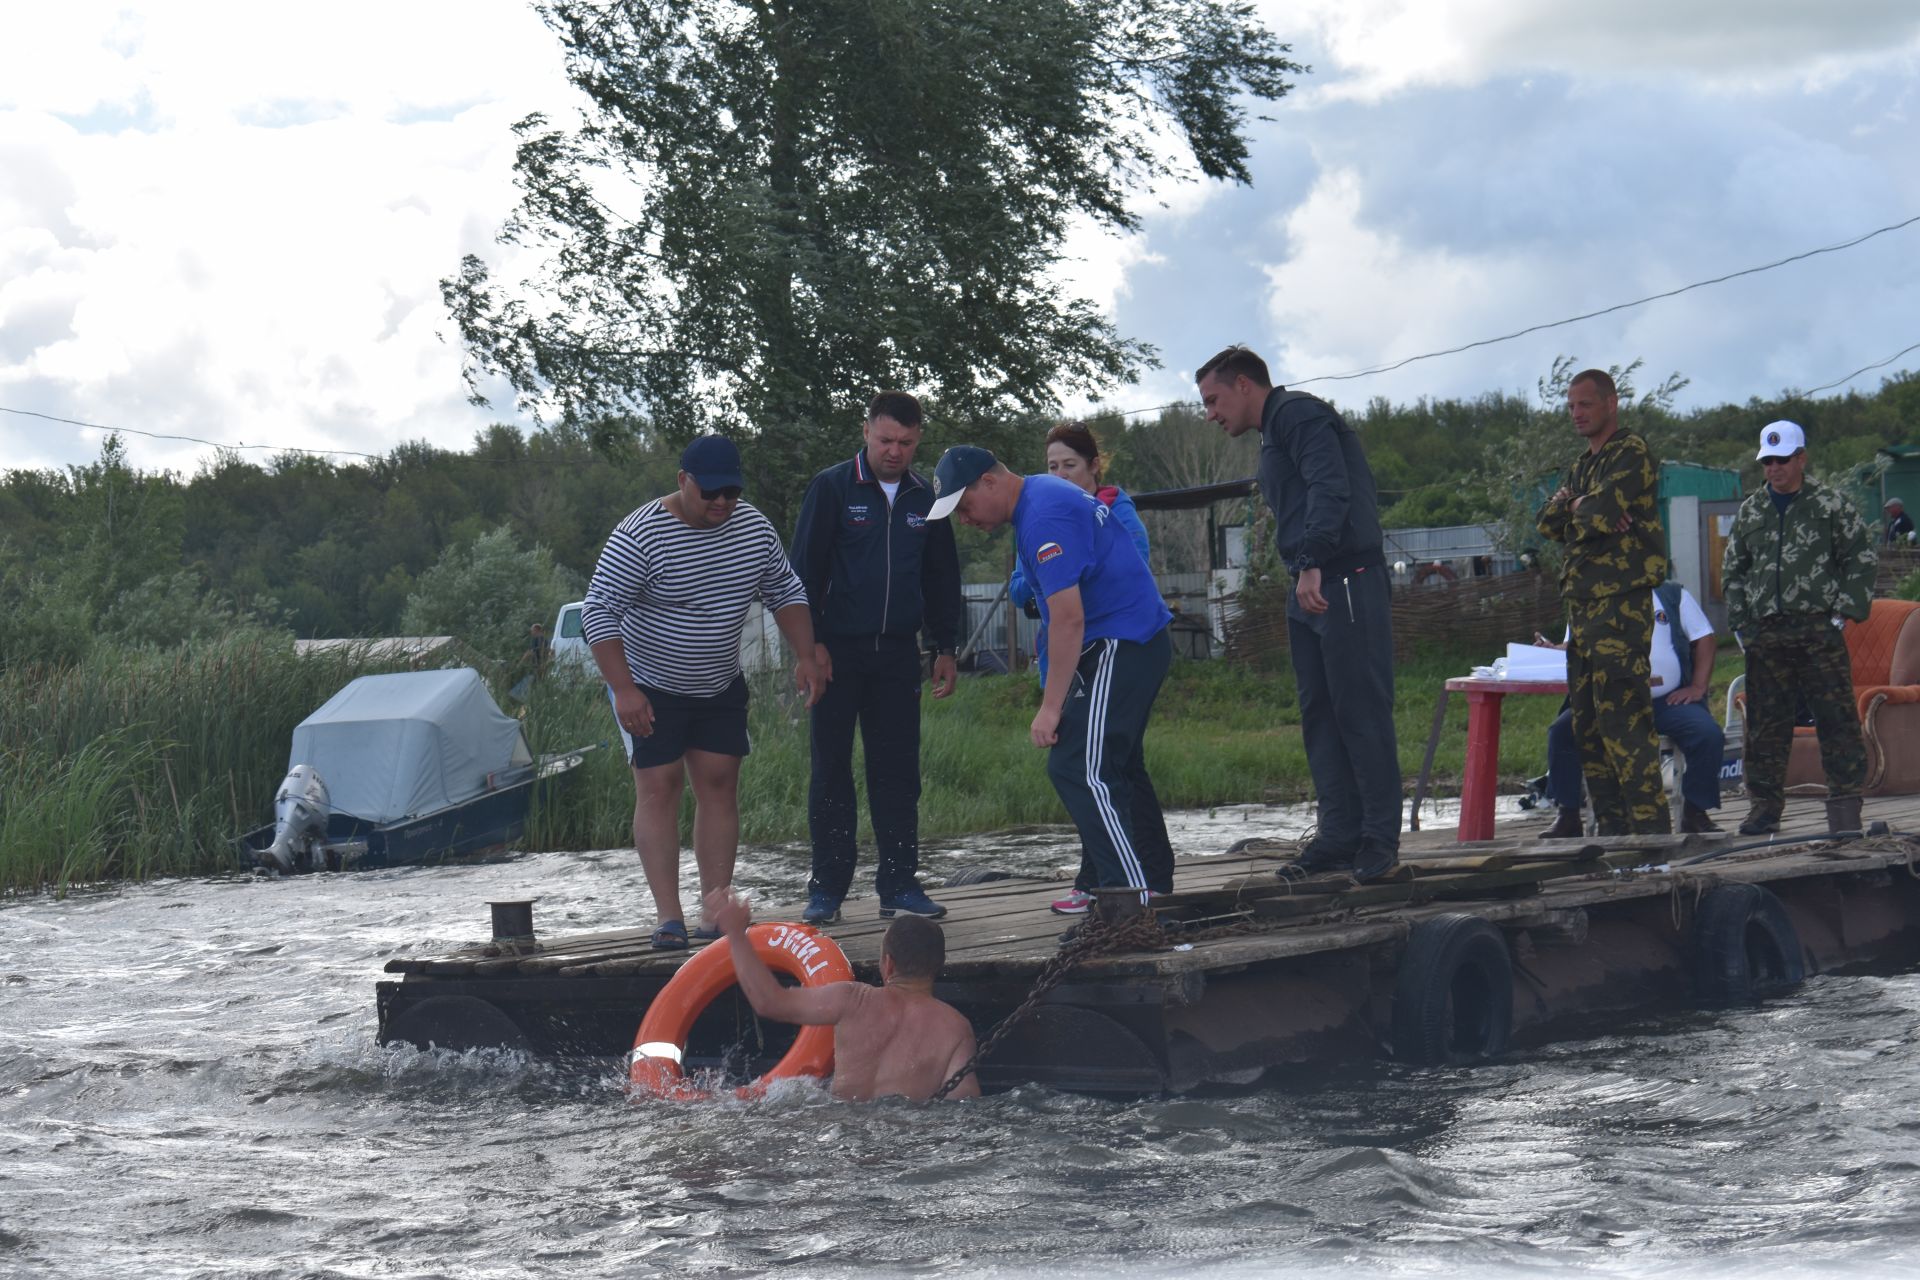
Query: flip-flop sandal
<point x="670" y="936"/>
<point x="706" y="933"/>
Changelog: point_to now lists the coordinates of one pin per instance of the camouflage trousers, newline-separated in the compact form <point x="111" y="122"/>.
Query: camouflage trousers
<point x="1607" y="673"/>
<point x="1794" y="660"/>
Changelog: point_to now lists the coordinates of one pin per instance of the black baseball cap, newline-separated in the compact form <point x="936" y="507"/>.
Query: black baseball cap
<point x="713" y="463"/>
<point x="959" y="467"/>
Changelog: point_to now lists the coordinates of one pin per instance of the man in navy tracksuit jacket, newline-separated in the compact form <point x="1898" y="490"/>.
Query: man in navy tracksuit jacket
<point x="878" y="572"/>
<point x="1314" y="476"/>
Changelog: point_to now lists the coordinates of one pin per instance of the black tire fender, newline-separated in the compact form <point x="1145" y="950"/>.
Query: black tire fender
<point x="1453" y="998"/>
<point x="459" y="1023"/>
<point x="977" y="875"/>
<point x="1743" y="946"/>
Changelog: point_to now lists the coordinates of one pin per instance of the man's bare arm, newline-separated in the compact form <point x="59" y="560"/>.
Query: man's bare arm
<point x="796" y="624"/>
<point x="1705" y="649"/>
<point x="806" y="1006"/>
<point x="1066" y="632"/>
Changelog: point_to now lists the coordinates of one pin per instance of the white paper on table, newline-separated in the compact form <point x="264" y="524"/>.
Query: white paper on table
<point x="1535" y="662"/>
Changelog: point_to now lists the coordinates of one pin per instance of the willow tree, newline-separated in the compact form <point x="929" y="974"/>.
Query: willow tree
<point x="768" y="209"/>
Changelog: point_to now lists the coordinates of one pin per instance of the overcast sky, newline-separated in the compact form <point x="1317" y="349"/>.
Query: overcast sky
<point x="229" y="220"/>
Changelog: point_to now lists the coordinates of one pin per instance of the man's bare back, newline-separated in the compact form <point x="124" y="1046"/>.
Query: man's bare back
<point x="897" y="1040"/>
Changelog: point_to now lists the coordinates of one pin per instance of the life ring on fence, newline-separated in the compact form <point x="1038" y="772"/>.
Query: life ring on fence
<point x="797" y="950"/>
<point x="1453" y="1000"/>
<point x="1743" y="946"/>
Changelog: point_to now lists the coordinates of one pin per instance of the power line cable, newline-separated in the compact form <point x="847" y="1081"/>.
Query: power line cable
<point x="527" y="460"/>
<point x="1176" y="404"/>
<point x="1828" y="386"/>
<point x="161" y="435"/>
<point x="1619" y="306"/>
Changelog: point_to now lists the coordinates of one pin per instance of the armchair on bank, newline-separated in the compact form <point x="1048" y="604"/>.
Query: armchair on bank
<point x="1885" y="654"/>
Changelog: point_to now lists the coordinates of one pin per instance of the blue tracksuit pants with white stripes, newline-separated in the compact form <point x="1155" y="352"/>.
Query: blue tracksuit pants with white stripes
<point x="1099" y="766"/>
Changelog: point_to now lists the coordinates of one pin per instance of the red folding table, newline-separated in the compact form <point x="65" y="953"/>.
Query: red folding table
<point x="1482" y="774"/>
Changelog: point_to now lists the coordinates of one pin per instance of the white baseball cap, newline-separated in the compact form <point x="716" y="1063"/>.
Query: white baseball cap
<point x="1781" y="439"/>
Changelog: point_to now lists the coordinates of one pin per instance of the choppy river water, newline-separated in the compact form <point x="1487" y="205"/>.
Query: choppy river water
<point x="189" y="1085"/>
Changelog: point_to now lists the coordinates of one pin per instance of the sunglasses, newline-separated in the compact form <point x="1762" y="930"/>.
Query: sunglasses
<point x="1776" y="462"/>
<point x="726" y="493"/>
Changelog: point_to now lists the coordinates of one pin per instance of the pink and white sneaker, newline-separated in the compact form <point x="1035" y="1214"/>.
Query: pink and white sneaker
<point x="1074" y="904"/>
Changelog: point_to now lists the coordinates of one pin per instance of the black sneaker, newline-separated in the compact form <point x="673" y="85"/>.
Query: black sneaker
<point x="1319" y="858"/>
<point x="1374" y="861"/>
<point x="911" y="902"/>
<point x="822" y="908"/>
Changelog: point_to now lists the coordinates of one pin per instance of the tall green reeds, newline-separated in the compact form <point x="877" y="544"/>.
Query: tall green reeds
<point x="141" y="764"/>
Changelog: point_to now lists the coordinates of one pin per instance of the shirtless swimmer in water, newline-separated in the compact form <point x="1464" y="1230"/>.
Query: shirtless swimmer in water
<point x="892" y="1039"/>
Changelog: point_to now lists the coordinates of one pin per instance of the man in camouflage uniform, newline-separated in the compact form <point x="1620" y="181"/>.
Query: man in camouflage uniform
<point x="1799" y="560"/>
<point x="1607" y="516"/>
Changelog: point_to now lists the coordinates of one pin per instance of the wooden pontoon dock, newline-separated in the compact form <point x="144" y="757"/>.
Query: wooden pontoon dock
<point x="1476" y="946"/>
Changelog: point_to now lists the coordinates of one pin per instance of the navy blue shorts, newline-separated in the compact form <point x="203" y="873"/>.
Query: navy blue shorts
<point x="717" y="724"/>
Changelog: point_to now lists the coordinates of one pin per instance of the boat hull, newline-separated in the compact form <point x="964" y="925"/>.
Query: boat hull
<point x="486" y="824"/>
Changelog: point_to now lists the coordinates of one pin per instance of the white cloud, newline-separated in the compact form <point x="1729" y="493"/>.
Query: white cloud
<point x="1379" y="47"/>
<point x="1095" y="262"/>
<point x="1349" y="296"/>
<point x="236" y="231"/>
<point x="230" y="220"/>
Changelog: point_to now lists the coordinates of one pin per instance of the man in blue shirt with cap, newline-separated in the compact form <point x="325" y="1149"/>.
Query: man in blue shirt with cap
<point x="1107" y="655"/>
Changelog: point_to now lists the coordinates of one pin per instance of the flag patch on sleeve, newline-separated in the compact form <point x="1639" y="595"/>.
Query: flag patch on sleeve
<point x="1047" y="551"/>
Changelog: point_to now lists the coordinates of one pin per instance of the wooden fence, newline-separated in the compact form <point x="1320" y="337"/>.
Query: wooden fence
<point x="1471" y="615"/>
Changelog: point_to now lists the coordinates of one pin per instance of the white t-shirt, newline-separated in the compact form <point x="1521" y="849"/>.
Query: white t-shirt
<point x="1693" y="625"/>
<point x="892" y="489"/>
<point x="1666" y="663"/>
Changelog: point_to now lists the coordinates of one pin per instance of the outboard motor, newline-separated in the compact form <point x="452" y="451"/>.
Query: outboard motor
<point x="300" y="811"/>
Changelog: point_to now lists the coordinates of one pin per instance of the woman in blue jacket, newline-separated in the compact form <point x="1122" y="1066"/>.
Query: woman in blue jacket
<point x="1074" y="454"/>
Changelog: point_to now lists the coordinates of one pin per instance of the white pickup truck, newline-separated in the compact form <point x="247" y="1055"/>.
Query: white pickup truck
<point x="570" y="651"/>
<point x="760" y="648"/>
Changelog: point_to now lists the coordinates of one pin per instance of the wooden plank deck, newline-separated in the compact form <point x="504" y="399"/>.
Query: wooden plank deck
<point x="1002" y="929"/>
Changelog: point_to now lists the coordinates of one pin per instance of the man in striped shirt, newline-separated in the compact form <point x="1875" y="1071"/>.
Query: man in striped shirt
<point x="663" y="616"/>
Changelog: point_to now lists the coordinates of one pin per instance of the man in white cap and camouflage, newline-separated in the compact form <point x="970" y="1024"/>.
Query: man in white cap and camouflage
<point x="1799" y="564"/>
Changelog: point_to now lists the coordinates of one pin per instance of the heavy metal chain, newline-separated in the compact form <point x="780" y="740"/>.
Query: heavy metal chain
<point x="1095" y="937"/>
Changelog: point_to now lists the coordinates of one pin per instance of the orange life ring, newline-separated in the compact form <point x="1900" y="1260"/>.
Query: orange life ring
<point x="797" y="950"/>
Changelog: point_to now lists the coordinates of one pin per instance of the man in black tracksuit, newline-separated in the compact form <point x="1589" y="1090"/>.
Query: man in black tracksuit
<point x="877" y="573"/>
<point x="1315" y="477"/>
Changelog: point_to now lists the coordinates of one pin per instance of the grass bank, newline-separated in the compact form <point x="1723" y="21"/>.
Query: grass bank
<point x="143" y="764"/>
<point x="1222" y="733"/>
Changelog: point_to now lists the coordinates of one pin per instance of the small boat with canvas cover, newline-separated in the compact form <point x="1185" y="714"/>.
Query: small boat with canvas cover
<point x="405" y="768"/>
